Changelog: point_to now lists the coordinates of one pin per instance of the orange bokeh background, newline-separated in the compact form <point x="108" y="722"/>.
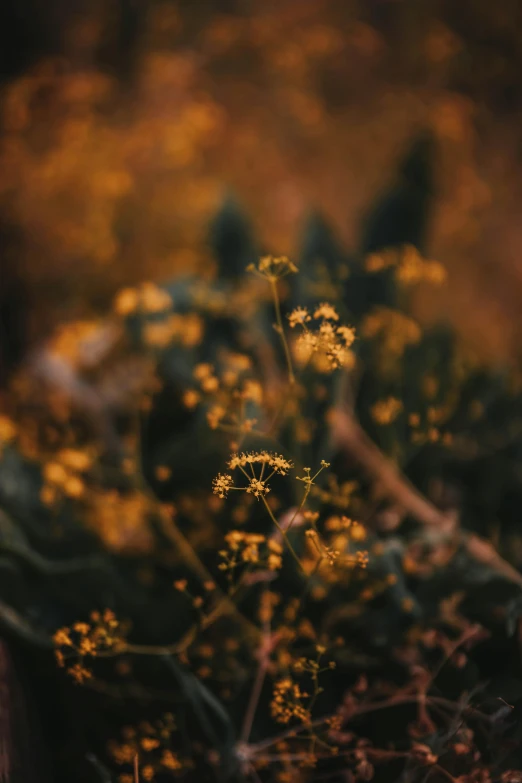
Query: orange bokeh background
<point x="292" y="106"/>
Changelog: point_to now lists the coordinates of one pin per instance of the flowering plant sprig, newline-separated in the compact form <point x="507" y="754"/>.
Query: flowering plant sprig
<point x="273" y="268"/>
<point x="257" y="482"/>
<point x="328" y="342"/>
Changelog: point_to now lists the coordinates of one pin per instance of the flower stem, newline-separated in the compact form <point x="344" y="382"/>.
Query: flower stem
<point x="281" y="331"/>
<point x="283" y="533"/>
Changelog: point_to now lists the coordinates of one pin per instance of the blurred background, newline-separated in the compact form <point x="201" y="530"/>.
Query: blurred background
<point x="125" y="123"/>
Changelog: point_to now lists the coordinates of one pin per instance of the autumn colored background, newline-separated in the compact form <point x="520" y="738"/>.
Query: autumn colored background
<point x="125" y="123"/>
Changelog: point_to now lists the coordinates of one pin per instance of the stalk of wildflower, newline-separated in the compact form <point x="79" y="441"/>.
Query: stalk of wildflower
<point x="225" y="605"/>
<point x="308" y="481"/>
<point x="281" y="333"/>
<point x="257" y="483"/>
<point x="314" y="669"/>
<point x="272" y="269"/>
<point x="268" y="642"/>
<point x="358" y="559"/>
<point x="103" y="637"/>
<point x="284" y="535"/>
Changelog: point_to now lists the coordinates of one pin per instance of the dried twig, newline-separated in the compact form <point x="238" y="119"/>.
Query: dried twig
<point x="351" y="438"/>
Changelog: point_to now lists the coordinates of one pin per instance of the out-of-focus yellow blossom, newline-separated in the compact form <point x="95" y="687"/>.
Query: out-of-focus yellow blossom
<point x="299" y="315"/>
<point x="327" y="345"/>
<point x="394" y="329"/>
<point x="147" y="298"/>
<point x="121" y="520"/>
<point x="8" y="430"/>
<point x="186" y="329"/>
<point x="191" y="398"/>
<point x="386" y="411"/>
<point x="410" y="268"/>
<point x="86" y="639"/>
<point x="273" y="268"/>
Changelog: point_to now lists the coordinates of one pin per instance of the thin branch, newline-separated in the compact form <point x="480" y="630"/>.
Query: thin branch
<point x="281" y="332"/>
<point x="352" y="439"/>
<point x="265" y="649"/>
<point x="16" y="623"/>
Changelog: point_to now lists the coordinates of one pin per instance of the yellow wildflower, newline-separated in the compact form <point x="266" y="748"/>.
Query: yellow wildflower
<point x="326" y="311"/>
<point x="299" y="315"/>
<point x="222" y="484"/>
<point x="386" y="411"/>
<point x="273" y="267"/>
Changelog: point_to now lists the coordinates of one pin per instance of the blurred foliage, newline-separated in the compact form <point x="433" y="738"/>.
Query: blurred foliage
<point x="211" y="616"/>
<point x="363" y="621"/>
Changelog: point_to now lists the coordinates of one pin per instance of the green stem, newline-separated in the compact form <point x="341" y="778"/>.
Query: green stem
<point x="280" y="328"/>
<point x="299" y="508"/>
<point x="283" y="533"/>
<point x="185" y="549"/>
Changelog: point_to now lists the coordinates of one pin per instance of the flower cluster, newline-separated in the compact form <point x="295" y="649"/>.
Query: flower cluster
<point x="332" y="558"/>
<point x="266" y="463"/>
<point x="431" y="433"/>
<point x="409" y="266"/>
<point x="7" y="429"/>
<point x="222" y="484"/>
<point x="8" y="432"/>
<point x="148" y="744"/>
<point x="121" y="520"/>
<point x="273" y="268"/>
<point x="394" y="329"/>
<point x="288" y="702"/>
<point x="356" y="531"/>
<point x="63" y="475"/>
<point x="244" y="548"/>
<point x="305" y="665"/>
<point x="87" y="640"/>
<point x="146" y="298"/>
<point x="386" y="411"/>
<point x="83" y="343"/>
<point x="185" y="329"/>
<point x="328" y="344"/>
<point x="337" y="494"/>
<point x="227" y="395"/>
<point x="277" y="462"/>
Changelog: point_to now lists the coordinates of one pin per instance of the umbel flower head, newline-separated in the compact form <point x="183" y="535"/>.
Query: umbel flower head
<point x="328" y="341"/>
<point x="258" y="467"/>
<point x="222" y="484"/>
<point x="277" y="462"/>
<point x="273" y="267"/>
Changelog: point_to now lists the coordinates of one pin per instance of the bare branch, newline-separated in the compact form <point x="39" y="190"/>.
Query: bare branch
<point x="351" y="438"/>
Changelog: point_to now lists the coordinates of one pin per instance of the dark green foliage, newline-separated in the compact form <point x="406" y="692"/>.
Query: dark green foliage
<point x="232" y="241"/>
<point x="401" y="214"/>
